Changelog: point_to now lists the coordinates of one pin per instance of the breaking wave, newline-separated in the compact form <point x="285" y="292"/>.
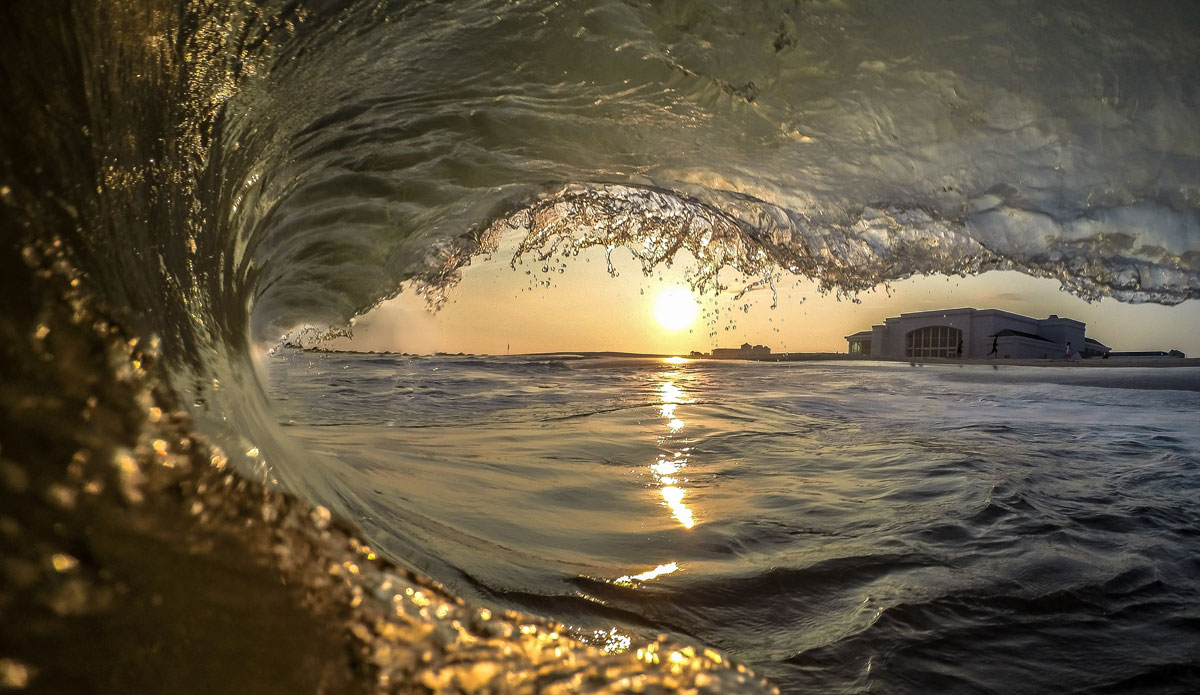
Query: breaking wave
<point x="182" y="183"/>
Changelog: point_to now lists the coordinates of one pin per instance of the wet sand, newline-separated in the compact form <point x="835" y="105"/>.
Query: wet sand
<point x="1087" y="364"/>
<point x="1155" y="374"/>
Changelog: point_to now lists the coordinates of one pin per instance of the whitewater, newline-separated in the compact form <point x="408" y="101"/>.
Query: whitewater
<point x="185" y="182"/>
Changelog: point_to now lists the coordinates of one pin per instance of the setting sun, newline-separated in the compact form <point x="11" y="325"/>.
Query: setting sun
<point x="676" y="308"/>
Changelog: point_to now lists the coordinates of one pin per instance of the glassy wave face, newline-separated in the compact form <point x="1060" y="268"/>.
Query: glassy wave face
<point x="182" y="182"/>
<point x="852" y="144"/>
<point x="838" y="527"/>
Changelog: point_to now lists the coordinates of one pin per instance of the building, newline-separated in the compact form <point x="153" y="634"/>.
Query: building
<point x="975" y="334"/>
<point x="745" y="352"/>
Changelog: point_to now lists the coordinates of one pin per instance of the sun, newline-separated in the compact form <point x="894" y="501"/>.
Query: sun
<point x="676" y="308"/>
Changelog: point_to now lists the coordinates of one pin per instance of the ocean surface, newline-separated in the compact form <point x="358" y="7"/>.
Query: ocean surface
<point x="188" y="185"/>
<point x="839" y="527"/>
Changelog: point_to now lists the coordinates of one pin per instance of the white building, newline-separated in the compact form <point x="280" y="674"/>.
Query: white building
<point x="745" y="352"/>
<point x="975" y="334"/>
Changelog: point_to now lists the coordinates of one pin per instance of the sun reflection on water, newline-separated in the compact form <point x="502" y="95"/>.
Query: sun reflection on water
<point x="611" y="641"/>
<point x="666" y="469"/>
<point x="632" y="579"/>
<point x="674" y="498"/>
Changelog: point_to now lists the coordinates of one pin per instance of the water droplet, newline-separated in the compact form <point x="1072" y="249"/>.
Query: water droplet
<point x="63" y="562"/>
<point x="321" y="517"/>
<point x="15" y="675"/>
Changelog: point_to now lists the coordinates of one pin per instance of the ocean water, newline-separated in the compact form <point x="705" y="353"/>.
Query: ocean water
<point x="185" y="185"/>
<point x="837" y="526"/>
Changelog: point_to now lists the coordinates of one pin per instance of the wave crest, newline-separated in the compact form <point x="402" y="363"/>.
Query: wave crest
<point x="854" y="145"/>
<point x="1134" y="254"/>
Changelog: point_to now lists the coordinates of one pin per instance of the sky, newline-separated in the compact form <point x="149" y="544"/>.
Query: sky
<point x="497" y="309"/>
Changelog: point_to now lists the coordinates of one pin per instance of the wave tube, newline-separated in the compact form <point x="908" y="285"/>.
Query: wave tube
<point x="181" y="182"/>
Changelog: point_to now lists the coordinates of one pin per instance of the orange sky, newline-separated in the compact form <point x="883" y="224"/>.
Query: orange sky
<point x="495" y="309"/>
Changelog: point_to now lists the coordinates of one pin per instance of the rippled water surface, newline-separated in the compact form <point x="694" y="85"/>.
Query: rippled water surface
<point x="839" y="527"/>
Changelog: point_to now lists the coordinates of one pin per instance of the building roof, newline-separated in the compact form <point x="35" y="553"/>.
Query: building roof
<point x="1055" y="318"/>
<point x="861" y="335"/>
<point x="922" y="314"/>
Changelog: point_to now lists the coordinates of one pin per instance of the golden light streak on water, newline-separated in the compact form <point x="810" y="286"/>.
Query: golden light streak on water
<point x="674" y="499"/>
<point x="629" y="580"/>
<point x="665" y="469"/>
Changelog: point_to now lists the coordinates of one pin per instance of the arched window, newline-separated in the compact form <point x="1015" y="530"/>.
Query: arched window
<point x="932" y="341"/>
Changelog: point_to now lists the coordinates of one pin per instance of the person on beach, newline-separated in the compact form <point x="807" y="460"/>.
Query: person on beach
<point x="960" y="348"/>
<point x="995" y="346"/>
<point x="1068" y="355"/>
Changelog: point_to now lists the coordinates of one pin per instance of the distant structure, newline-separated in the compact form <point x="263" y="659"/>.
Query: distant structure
<point x="1148" y="355"/>
<point x="745" y="352"/>
<point x="976" y="334"/>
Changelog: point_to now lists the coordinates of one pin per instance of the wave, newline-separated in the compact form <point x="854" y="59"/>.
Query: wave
<point x="754" y="141"/>
<point x="184" y="182"/>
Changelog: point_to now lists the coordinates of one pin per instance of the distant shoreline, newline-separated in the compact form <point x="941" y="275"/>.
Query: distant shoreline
<point x="1089" y="363"/>
<point x="997" y="362"/>
<point x="1086" y="364"/>
<point x="812" y="357"/>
